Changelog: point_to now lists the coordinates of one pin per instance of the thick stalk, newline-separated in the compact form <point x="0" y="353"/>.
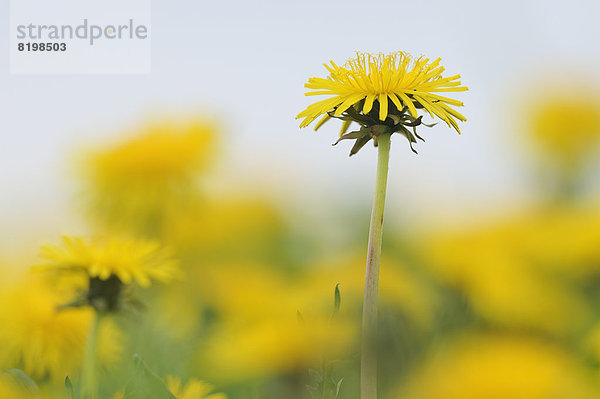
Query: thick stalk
<point x="368" y="371"/>
<point x="89" y="369"/>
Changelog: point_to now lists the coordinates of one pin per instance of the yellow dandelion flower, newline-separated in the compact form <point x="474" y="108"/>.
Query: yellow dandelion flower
<point x="258" y="347"/>
<point x="500" y="367"/>
<point x="164" y="152"/>
<point x="260" y="333"/>
<point x="531" y="261"/>
<point x="385" y="90"/>
<point x="10" y="390"/>
<point x="565" y="125"/>
<point x="138" y="261"/>
<point x="194" y="389"/>
<point x="234" y="224"/>
<point x="132" y="183"/>
<point x="45" y="340"/>
<point x="109" y="263"/>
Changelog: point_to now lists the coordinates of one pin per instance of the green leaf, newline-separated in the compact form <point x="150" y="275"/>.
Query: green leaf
<point x="337" y="387"/>
<point x="146" y="384"/>
<point x="69" y="388"/>
<point x="337" y="300"/>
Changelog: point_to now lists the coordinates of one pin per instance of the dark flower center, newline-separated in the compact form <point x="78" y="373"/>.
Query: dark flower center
<point x="104" y="295"/>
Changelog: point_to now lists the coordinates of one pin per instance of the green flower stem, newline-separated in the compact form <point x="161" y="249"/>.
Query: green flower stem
<point x="368" y="372"/>
<point x="89" y="369"/>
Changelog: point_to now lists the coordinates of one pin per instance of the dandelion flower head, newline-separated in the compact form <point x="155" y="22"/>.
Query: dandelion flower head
<point x="9" y="389"/>
<point x="129" y="260"/>
<point x="388" y="90"/>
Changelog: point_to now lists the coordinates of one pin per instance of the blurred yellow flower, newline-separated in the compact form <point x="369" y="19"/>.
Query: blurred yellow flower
<point x="216" y="232"/>
<point x="9" y="390"/>
<point x="172" y="150"/>
<point x="496" y="367"/>
<point x="398" y="288"/>
<point x="565" y="124"/>
<point x="194" y="389"/>
<point x="562" y="238"/>
<point x="522" y="269"/>
<point x="275" y="344"/>
<point x="138" y="261"/>
<point x="396" y="77"/>
<point x="132" y="183"/>
<point x="230" y="225"/>
<point x="46" y="341"/>
<point x="259" y="332"/>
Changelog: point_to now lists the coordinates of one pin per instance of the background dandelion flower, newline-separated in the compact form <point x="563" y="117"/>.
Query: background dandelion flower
<point x="133" y="183"/>
<point x="130" y="260"/>
<point x="486" y="366"/>
<point x="564" y="127"/>
<point x="44" y="340"/>
<point x="10" y="390"/>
